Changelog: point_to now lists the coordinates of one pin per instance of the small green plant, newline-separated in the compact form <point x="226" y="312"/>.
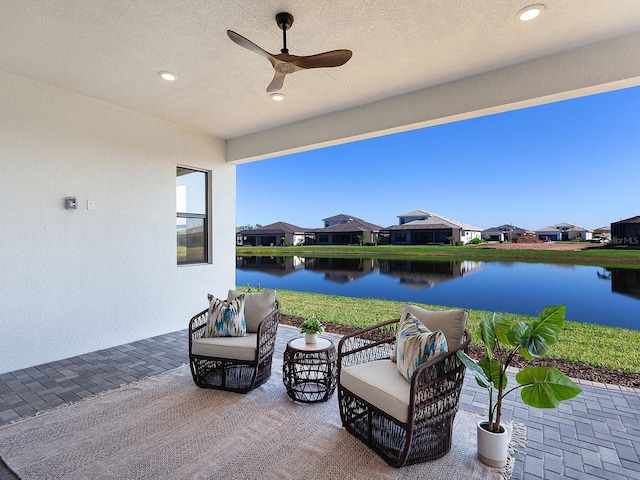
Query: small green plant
<point x="312" y="325"/>
<point x="475" y="241"/>
<point x="503" y="338"/>
<point x="250" y="289"/>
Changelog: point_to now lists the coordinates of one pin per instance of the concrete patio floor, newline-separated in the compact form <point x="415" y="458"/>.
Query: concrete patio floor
<point x="595" y="435"/>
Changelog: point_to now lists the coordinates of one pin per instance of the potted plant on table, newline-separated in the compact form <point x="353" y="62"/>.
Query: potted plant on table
<point x="541" y="387"/>
<point x="311" y="327"/>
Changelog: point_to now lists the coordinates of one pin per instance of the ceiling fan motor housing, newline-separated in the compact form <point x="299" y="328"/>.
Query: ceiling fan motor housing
<point x="284" y="20"/>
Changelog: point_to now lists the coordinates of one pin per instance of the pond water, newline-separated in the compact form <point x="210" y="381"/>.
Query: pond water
<point x="606" y="296"/>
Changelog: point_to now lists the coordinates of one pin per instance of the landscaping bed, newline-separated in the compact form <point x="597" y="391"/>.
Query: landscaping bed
<point x="576" y="370"/>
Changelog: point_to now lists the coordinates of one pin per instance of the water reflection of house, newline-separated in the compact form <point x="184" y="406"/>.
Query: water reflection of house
<point x="626" y="281"/>
<point x="341" y="270"/>
<point x="424" y="274"/>
<point x="420" y="227"/>
<point x="278" y="266"/>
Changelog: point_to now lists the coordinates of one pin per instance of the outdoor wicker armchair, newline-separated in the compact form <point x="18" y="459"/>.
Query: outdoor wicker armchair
<point x="237" y="364"/>
<point x="404" y="422"/>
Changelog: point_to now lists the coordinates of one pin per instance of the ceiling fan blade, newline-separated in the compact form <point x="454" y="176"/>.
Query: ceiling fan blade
<point x="249" y="45"/>
<point x="277" y="82"/>
<point x="334" y="58"/>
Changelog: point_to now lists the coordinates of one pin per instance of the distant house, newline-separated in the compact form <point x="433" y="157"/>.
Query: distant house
<point x="342" y="230"/>
<point x="626" y="232"/>
<point x="564" y="232"/>
<point x="504" y="233"/>
<point x="270" y="235"/>
<point x="602" y="233"/>
<point x="420" y="227"/>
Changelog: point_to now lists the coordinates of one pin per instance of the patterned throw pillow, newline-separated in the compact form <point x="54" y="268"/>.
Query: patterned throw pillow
<point x="226" y="319"/>
<point x="419" y="324"/>
<point x="416" y="345"/>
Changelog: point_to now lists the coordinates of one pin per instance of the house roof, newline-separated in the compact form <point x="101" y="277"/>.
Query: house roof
<point x="340" y="216"/>
<point x="559" y="227"/>
<point x="353" y="225"/>
<point x="434" y="222"/>
<point x="275" y="228"/>
<point x="547" y="229"/>
<point x="416" y="213"/>
<point x="404" y="54"/>
<point x="629" y="220"/>
<point x="507" y="227"/>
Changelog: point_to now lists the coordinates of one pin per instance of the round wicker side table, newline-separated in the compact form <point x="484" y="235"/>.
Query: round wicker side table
<point x="310" y="370"/>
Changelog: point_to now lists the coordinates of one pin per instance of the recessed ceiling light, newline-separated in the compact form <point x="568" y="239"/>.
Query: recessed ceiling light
<point x="168" y="76"/>
<point x="530" y="12"/>
<point x="277" y="96"/>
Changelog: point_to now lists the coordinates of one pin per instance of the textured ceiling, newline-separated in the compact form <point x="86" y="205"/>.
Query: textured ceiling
<point x="112" y="50"/>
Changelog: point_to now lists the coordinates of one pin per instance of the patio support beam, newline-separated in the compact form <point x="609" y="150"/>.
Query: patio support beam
<point x="574" y="73"/>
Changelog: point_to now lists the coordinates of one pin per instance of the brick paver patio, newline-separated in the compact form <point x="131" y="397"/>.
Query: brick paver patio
<point x="595" y="435"/>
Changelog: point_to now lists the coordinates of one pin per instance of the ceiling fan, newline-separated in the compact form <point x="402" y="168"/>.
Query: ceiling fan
<point x="283" y="63"/>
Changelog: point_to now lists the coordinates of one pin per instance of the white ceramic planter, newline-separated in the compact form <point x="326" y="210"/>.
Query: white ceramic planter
<point x="493" y="448"/>
<point x="311" y="338"/>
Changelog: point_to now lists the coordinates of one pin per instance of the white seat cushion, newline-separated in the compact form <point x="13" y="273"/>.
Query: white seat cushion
<point x="381" y="384"/>
<point x="257" y="306"/>
<point x="236" y="348"/>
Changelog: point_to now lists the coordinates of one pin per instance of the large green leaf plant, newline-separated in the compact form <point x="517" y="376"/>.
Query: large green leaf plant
<point x="503" y="339"/>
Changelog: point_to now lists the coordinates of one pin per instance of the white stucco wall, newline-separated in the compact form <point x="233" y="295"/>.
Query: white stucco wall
<point x="74" y="281"/>
<point x="470" y="235"/>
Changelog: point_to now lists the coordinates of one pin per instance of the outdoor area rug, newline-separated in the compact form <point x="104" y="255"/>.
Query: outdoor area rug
<point x="166" y="427"/>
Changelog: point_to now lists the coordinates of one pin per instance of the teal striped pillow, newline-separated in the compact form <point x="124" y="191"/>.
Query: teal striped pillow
<point x="416" y="345"/>
<point x="226" y="318"/>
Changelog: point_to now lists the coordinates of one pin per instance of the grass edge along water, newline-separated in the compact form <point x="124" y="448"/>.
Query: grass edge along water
<point x="597" y="345"/>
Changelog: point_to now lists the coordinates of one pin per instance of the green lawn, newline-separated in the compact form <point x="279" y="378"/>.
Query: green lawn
<point x="593" y="344"/>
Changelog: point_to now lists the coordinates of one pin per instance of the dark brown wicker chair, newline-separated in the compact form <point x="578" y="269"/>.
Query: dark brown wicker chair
<point x="432" y="395"/>
<point x="242" y="365"/>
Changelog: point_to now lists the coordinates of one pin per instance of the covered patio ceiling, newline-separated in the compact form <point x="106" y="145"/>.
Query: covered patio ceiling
<point x="414" y="64"/>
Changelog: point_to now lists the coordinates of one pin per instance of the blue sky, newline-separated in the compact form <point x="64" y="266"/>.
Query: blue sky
<point x="576" y="161"/>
